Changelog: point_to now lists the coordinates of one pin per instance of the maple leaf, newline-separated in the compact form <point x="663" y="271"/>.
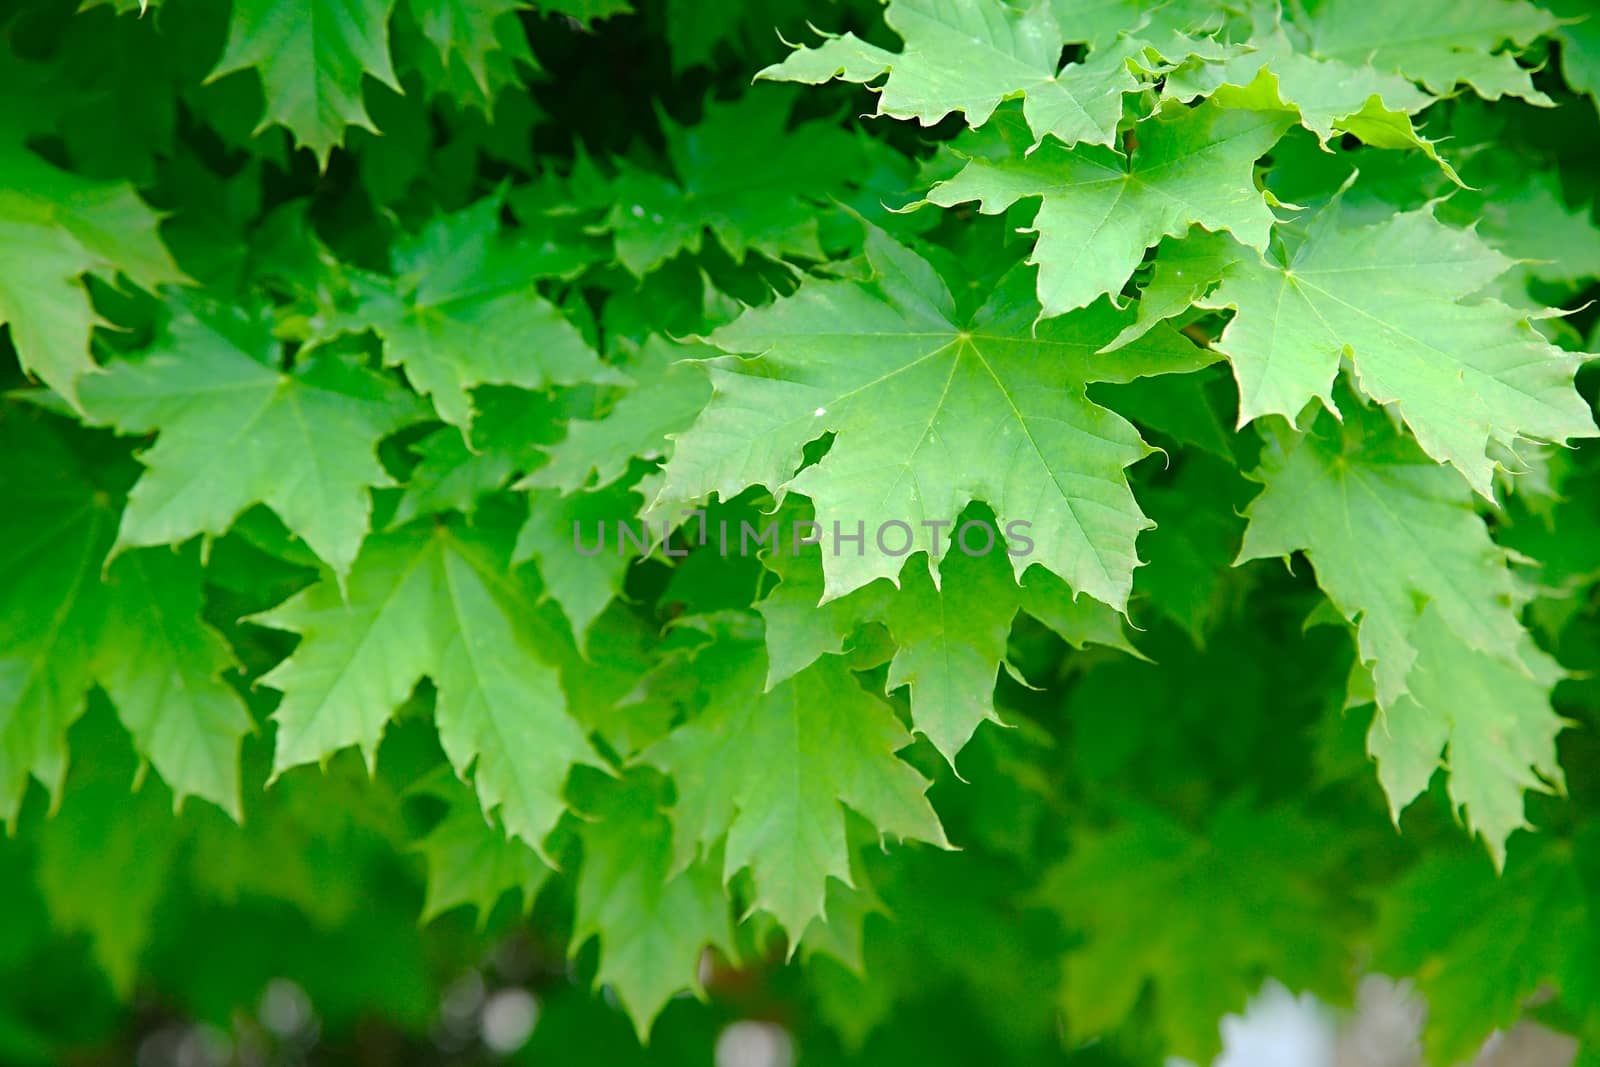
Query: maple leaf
<point x="136" y="631"/>
<point x="581" y="579"/>
<point x="652" y="920"/>
<point x="162" y="667"/>
<point x="455" y="471"/>
<point x="1529" y="220"/>
<point x="56" y="227"/>
<point x="1439" y="43"/>
<point x="311" y="57"/>
<point x="771" y="771"/>
<point x="470" y="859"/>
<point x="743" y="174"/>
<point x="951" y="640"/>
<point x="949" y="637"/>
<point x="668" y="391"/>
<point x="441" y="603"/>
<point x="929" y="413"/>
<point x="1435" y="614"/>
<point x="482" y="39"/>
<point x="1100" y="210"/>
<point x="1327" y="96"/>
<point x="967" y="58"/>
<point x="51" y="609"/>
<point x="1396" y="298"/>
<point x="236" y="431"/>
<point x="1482" y="942"/>
<point x="1204" y="959"/>
<point x="104" y="836"/>
<point x="1579" y="34"/>
<point x="463" y="311"/>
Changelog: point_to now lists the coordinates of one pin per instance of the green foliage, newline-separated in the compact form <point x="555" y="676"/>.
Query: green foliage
<point x="971" y="555"/>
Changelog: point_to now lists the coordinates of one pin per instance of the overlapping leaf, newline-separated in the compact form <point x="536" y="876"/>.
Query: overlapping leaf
<point x="1436" y="42"/>
<point x="234" y="430"/>
<point x="949" y="638"/>
<point x="311" y="57"/>
<point x="1236" y="878"/>
<point x="1100" y="210"/>
<point x="929" y="414"/>
<point x="1435" y="614"/>
<point x="440" y="603"/>
<point x="1471" y="377"/>
<point x="769" y="773"/>
<point x="135" y="630"/>
<point x="463" y="311"/>
<point x="654" y="921"/>
<point x="56" y="227"/>
<point x="967" y="58"/>
<point x="742" y="174"/>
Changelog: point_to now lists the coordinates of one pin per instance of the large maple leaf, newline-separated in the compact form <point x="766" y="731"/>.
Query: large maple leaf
<point x="1435" y="613"/>
<point x="234" y="430"/>
<point x="1397" y="298"/>
<point x="929" y="412"/>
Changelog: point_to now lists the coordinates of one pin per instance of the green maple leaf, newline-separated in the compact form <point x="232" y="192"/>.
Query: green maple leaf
<point x="470" y="859"/>
<point x="1327" y="96"/>
<point x="1185" y="270"/>
<point x="1491" y="716"/>
<point x="463" y="311"/>
<point x="741" y="173"/>
<point x="1435" y="614"/>
<point x="772" y="771"/>
<point x="56" y="227"/>
<point x="966" y="58"/>
<point x="104" y="836"/>
<point x="652" y="920"/>
<point x="950" y="642"/>
<point x="802" y="625"/>
<point x="58" y="531"/>
<point x="949" y="637"/>
<point x="161" y="665"/>
<point x="1527" y="217"/>
<point x="1439" y="43"/>
<point x="480" y="39"/>
<point x="668" y="391"/>
<point x="136" y="631"/>
<point x="578" y="575"/>
<point x="1101" y="210"/>
<point x="1098" y="23"/>
<point x="302" y="842"/>
<point x="440" y="602"/>
<point x="1580" y="45"/>
<point x="236" y="431"/>
<point x="311" y="57"/>
<point x="1235" y="878"/>
<point x="930" y="411"/>
<point x="1486" y="945"/>
<point x="454" y="471"/>
<point x="1396" y="298"/>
